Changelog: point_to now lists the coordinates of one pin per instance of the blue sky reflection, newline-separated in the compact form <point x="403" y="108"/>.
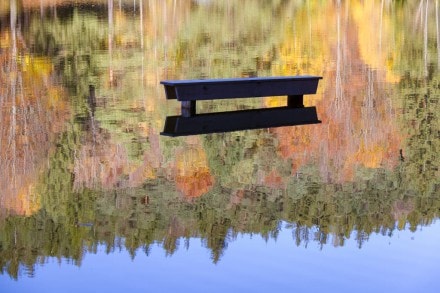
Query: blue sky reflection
<point x="405" y="262"/>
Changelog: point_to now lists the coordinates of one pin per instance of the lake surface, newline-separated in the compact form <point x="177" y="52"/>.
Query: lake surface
<point x="94" y="199"/>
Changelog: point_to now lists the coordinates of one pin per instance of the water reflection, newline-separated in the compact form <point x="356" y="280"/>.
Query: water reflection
<point x="32" y="112"/>
<point x="87" y="176"/>
<point x="221" y="122"/>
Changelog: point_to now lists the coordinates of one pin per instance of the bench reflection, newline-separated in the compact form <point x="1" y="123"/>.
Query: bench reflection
<point x="239" y="120"/>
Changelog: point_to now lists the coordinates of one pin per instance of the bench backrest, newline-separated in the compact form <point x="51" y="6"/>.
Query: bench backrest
<point x="210" y="89"/>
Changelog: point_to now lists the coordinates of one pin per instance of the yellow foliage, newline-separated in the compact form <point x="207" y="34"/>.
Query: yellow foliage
<point x="149" y="173"/>
<point x="5" y="39"/>
<point x="29" y="199"/>
<point x="275" y="102"/>
<point x="26" y="202"/>
<point x="4" y="8"/>
<point x="191" y="159"/>
<point x="377" y="44"/>
<point x="299" y="54"/>
<point x="370" y="157"/>
<point x="36" y="66"/>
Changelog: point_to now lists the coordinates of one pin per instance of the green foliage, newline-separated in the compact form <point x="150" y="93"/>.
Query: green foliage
<point x="75" y="45"/>
<point x="224" y="40"/>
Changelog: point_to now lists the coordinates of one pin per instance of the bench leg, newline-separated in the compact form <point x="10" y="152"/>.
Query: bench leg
<point x="188" y="108"/>
<point x="295" y="101"/>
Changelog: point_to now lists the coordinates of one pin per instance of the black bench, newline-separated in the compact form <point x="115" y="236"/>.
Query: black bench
<point x="190" y="91"/>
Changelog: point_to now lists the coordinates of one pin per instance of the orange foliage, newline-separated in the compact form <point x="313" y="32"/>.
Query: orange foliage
<point x="274" y="180"/>
<point x="295" y="143"/>
<point x="193" y="176"/>
<point x="374" y="46"/>
<point x="358" y="126"/>
<point x="32" y="113"/>
<point x="25" y="202"/>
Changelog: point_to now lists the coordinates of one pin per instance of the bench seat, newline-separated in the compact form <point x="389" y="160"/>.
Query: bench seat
<point x="213" y="89"/>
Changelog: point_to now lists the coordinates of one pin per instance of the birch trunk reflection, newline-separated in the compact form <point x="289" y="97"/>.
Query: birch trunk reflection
<point x="31" y="111"/>
<point x="437" y="26"/>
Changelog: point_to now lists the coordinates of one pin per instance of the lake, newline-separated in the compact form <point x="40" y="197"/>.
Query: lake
<point x="93" y="198"/>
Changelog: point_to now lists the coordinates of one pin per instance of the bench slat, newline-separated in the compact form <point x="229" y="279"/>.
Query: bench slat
<point x="210" y="89"/>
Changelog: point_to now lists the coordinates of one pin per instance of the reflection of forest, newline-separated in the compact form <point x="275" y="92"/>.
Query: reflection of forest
<point x="371" y="167"/>
<point x="32" y="111"/>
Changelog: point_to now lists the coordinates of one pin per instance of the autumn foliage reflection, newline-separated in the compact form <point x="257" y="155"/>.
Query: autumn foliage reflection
<point x="359" y="119"/>
<point x="32" y="112"/>
<point x="193" y="175"/>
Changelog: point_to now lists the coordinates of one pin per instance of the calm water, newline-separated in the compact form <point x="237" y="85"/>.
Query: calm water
<point x="93" y="198"/>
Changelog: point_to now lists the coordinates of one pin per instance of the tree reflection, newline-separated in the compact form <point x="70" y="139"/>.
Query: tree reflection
<point x="371" y="167"/>
<point x="32" y="112"/>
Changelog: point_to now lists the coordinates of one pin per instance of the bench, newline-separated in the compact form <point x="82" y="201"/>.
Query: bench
<point x="188" y="92"/>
